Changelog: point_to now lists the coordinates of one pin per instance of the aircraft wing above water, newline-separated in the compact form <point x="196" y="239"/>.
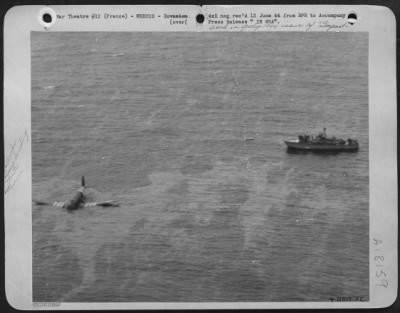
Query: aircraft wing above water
<point x="79" y="200"/>
<point x="60" y="204"/>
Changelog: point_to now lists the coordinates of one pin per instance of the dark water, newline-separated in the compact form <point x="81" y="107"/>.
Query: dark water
<point x="186" y="130"/>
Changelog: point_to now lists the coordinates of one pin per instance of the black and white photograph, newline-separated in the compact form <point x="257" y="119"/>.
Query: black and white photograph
<point x="201" y="166"/>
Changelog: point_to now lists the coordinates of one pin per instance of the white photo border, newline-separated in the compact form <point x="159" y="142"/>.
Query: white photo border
<point x="380" y="24"/>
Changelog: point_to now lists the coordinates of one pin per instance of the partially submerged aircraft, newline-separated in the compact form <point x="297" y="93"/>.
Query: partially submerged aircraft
<point x="79" y="200"/>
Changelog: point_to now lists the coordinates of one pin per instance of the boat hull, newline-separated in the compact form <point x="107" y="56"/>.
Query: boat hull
<point x="293" y="145"/>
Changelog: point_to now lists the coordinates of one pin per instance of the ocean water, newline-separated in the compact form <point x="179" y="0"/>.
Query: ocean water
<point x="186" y="131"/>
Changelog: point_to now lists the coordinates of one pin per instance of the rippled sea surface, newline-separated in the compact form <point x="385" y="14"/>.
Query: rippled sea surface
<point x="186" y="131"/>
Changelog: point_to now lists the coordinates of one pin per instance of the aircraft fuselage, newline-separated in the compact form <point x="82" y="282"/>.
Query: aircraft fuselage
<point x="76" y="201"/>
